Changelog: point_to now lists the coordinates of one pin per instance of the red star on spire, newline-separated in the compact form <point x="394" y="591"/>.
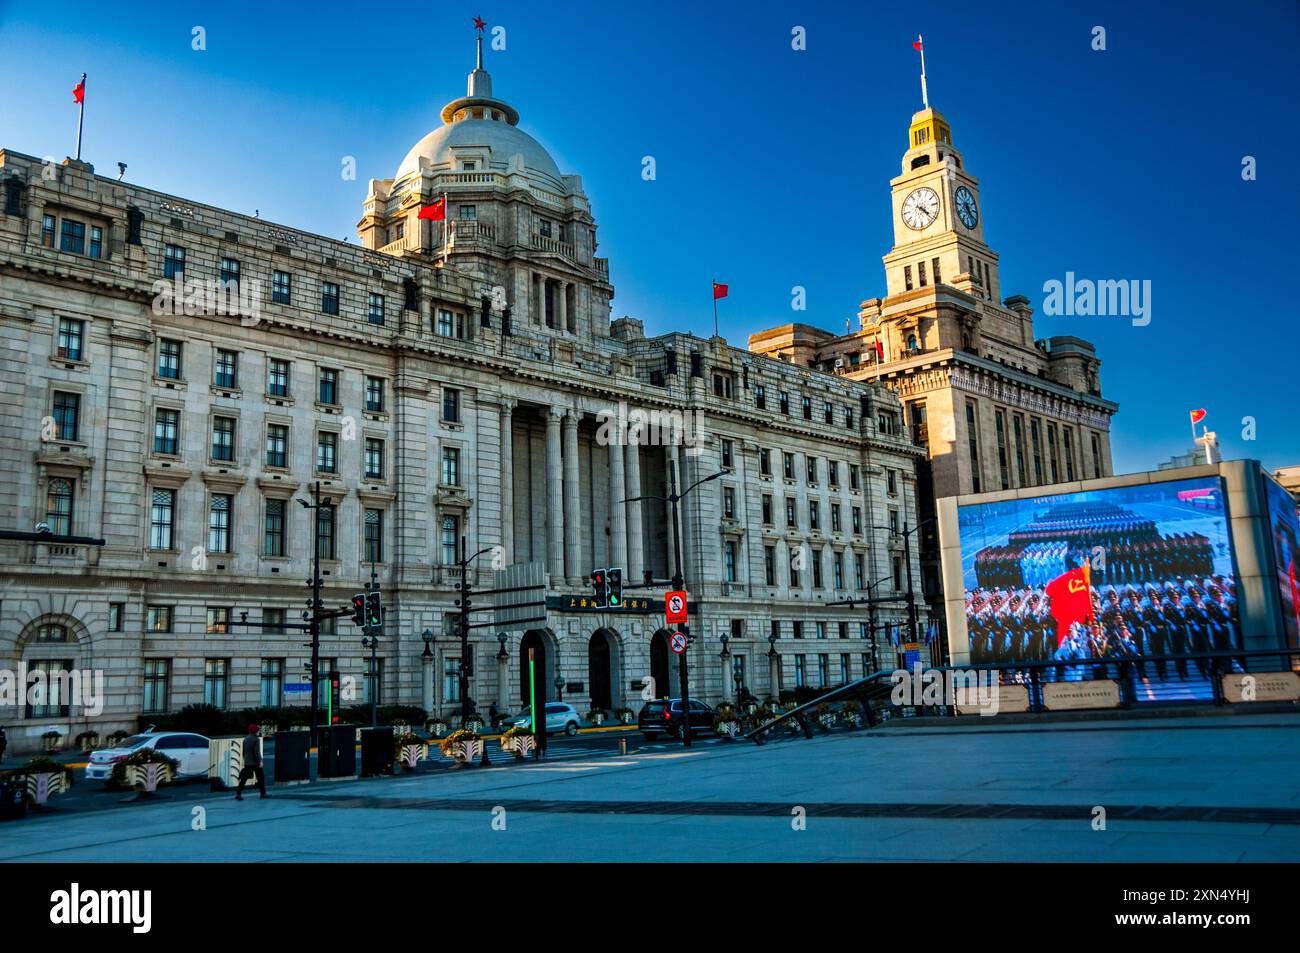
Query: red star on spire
<point x="479" y="24"/>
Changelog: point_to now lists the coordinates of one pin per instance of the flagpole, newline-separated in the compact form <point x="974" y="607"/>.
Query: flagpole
<point x="1192" y="417"/>
<point x="81" y="114"/>
<point x="715" y="307"/>
<point x="920" y="45"/>
<point x="446" y="225"/>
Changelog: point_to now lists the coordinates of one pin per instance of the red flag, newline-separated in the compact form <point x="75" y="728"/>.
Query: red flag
<point x="1070" y="596"/>
<point x="79" y="92"/>
<point x="719" y="291"/>
<point x="916" y="45"/>
<point x="1198" y="416"/>
<point x="436" y="212"/>
<point x="880" y="351"/>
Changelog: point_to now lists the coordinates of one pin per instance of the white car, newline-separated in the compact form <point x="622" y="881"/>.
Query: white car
<point x="188" y="750"/>
<point x="559" y="717"/>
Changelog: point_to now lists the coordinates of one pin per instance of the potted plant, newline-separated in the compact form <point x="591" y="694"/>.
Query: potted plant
<point x="45" y="778"/>
<point x="115" y="738"/>
<point x="726" y="722"/>
<point x="626" y="715"/>
<point x="597" y="716"/>
<point x="437" y="726"/>
<point x="87" y="741"/>
<point x="50" y="741"/>
<point x="145" y="770"/>
<point x="850" y="713"/>
<point x="266" y="729"/>
<point x="411" y="750"/>
<point x="463" y="746"/>
<point x="518" y="741"/>
<point x="473" y="722"/>
<point x="825" y="716"/>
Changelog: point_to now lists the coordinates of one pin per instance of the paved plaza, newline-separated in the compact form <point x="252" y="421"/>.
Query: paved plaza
<point x="1184" y="789"/>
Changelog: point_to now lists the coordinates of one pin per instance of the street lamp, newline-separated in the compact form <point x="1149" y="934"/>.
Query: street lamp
<point x="427" y="636"/>
<point x="673" y="499"/>
<point x="559" y="684"/>
<point x="317" y="504"/>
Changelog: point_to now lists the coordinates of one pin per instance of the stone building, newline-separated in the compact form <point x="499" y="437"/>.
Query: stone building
<point x="994" y="407"/>
<point x="179" y="377"/>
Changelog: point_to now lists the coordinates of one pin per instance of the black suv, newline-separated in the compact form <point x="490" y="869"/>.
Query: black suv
<point x="664" y="716"/>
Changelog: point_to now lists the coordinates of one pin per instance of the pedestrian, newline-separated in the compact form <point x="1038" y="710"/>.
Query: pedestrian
<point x="252" y="763"/>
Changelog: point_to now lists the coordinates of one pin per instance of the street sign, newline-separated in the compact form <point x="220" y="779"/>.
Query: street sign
<point x="293" y="688"/>
<point x="677" y="642"/>
<point x="675" y="607"/>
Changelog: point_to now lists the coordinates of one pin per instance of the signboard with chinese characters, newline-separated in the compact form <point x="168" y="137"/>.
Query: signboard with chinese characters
<point x="639" y="605"/>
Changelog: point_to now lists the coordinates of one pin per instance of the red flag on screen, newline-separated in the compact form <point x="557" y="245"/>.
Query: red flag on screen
<point x="1071" y="600"/>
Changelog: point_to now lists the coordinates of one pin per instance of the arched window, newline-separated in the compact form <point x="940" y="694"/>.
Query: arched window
<point x="58" y="507"/>
<point x="52" y="632"/>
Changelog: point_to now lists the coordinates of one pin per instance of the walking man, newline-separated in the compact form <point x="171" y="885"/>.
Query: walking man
<point x="252" y="763"/>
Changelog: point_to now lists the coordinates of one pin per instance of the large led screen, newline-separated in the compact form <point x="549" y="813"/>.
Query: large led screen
<point x="1284" y="529"/>
<point x="1096" y="577"/>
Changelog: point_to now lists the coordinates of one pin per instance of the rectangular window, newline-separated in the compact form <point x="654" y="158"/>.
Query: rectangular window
<point x="1067" y="449"/>
<point x="374" y="459"/>
<point x="972" y="446"/>
<point x="328" y="391"/>
<point x="158" y="619"/>
<point x="857" y="520"/>
<point x="277" y="377"/>
<point x="854" y="483"/>
<point x="835" y="518"/>
<point x="325" y="524"/>
<point x="47" y="691"/>
<point x="891" y="482"/>
<point x="372" y="686"/>
<point x="327" y="446"/>
<point x="797" y="629"/>
<point x="729" y="560"/>
<point x="817" y="572"/>
<point x="277" y="446"/>
<point x="1018" y="435"/>
<point x="800" y="664"/>
<point x="67" y="415"/>
<point x="156" y="677"/>
<point x="784" y="400"/>
<point x="791" y="517"/>
<point x="833" y="473"/>
<point x="226" y="371"/>
<point x="223" y="439"/>
<point x="230" y="273"/>
<point x="96" y="242"/>
<point x="273" y="534"/>
<point x="760" y="396"/>
<point x="823" y="674"/>
<point x="282" y="290"/>
<point x="374" y="536"/>
<point x="1000" y="430"/>
<point x="468" y="213"/>
<point x="450" y="324"/>
<point x="811" y="463"/>
<point x="828" y="412"/>
<point x="219" y="514"/>
<point x="214" y="682"/>
<point x="1051" y="453"/>
<point x="1096" y="457"/>
<point x="374" y="395"/>
<point x="273" y="621"/>
<point x="115" y="613"/>
<point x="769" y="565"/>
<point x="765" y="462"/>
<point x="71" y="332"/>
<point x="934" y="266"/>
<point x="907" y="277"/>
<point x="859" y="579"/>
<point x="787" y="465"/>
<point x="806" y="403"/>
<point x="329" y="297"/>
<point x="450" y="680"/>
<point x="166" y="426"/>
<point x="726" y="454"/>
<point x="450" y="466"/>
<point x="844" y="659"/>
<point x="767" y="509"/>
<point x="173" y="261"/>
<point x="814" y="515"/>
<point x="729" y="502"/>
<point x="272" y="694"/>
<point x="1036" y="446"/>
<point x="896" y="567"/>
<point x="837" y="562"/>
<point x="450" y="405"/>
<point x="47" y="231"/>
<point x="169" y="359"/>
<point x="375" y="308"/>
<point x="218" y="620"/>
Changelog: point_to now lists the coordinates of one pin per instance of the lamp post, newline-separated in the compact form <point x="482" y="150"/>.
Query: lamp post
<point x="724" y="657"/>
<point x="426" y="671"/>
<point x="315" y="603"/>
<point x="558" y="683"/>
<point x="466" y="668"/>
<point x="773" y="667"/>
<point x="372" y="680"/>
<point x="503" y="671"/>
<point x="673" y="499"/>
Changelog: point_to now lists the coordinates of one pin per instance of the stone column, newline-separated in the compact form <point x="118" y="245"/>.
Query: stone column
<point x="507" y="480"/>
<point x="554" y="498"/>
<point x="561" y="316"/>
<point x="503" y="679"/>
<point x="426" y="681"/>
<point x="537" y="304"/>
<point x="681" y="517"/>
<point x="618" y="512"/>
<point x="635" y="545"/>
<point x="572" y="501"/>
<point x="774" y="675"/>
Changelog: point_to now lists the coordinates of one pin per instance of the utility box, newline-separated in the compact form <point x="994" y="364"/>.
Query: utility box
<point x="336" y="755"/>
<point x="226" y="760"/>
<point x="292" y="756"/>
<point x="13" y="798"/>
<point x="376" y="751"/>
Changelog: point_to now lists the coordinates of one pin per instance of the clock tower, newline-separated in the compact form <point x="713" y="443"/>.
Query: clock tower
<point x="938" y="218"/>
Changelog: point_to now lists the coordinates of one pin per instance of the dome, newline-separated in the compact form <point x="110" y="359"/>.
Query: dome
<point x="499" y="140"/>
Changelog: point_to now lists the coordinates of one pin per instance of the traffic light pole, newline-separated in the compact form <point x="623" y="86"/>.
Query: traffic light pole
<point x="679" y="583"/>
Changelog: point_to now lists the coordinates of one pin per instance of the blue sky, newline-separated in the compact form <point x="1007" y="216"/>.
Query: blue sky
<point x="773" y="165"/>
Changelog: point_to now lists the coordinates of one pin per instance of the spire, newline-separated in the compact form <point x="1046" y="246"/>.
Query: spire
<point x="925" y="96"/>
<point x="478" y="101"/>
<point x="480" y="83"/>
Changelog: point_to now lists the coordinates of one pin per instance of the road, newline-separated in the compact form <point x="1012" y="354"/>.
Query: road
<point x="1176" y="789"/>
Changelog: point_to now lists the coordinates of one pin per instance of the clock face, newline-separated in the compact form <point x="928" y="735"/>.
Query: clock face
<point x="921" y="208"/>
<point x="966" y="210"/>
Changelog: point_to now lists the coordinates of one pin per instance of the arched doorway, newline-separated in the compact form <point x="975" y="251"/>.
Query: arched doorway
<point x="659" y="663"/>
<point x="600" y="671"/>
<point x="538" y="641"/>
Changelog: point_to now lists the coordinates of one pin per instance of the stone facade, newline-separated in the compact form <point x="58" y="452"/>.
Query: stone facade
<point x="446" y="381"/>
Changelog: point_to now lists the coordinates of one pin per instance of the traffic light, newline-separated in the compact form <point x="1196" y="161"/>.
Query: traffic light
<point x="614" y="584"/>
<point x="374" y="610"/>
<point x="332" y="706"/>
<point x="599" y="587"/>
<point x="359" y="610"/>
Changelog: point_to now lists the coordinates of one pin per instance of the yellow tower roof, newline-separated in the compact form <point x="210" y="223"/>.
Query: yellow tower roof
<point x="928" y="126"/>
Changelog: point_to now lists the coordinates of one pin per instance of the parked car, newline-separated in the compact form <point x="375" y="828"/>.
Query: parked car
<point x="560" y="716"/>
<point x="665" y="716"/>
<point x="188" y="750"/>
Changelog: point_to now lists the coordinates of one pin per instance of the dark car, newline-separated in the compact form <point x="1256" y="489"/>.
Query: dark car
<point x="665" y="716"/>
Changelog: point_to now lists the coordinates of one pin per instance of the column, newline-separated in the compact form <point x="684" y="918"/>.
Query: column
<point x="537" y="304"/>
<point x="507" y="480"/>
<point x="773" y="674"/>
<point x="572" y="504"/>
<point x="503" y="681"/>
<point x="673" y="545"/>
<point x="617" y="513"/>
<point x="554" y="498"/>
<point x="635" y="545"/>
<point x="561" y="317"/>
<point x="426" y="681"/>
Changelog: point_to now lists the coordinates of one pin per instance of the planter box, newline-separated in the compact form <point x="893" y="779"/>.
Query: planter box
<point x="520" y="746"/>
<point x="408" y="756"/>
<point x="148" y="777"/>
<point x="41" y="787"/>
<point x="466" y="752"/>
